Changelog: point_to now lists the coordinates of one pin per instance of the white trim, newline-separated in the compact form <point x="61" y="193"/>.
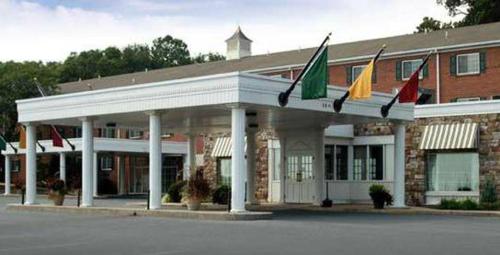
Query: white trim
<point x="457" y="109"/>
<point x="373" y="140"/>
<point x="468" y="55"/>
<point x="207" y="91"/>
<point x="105" y="144"/>
<point x="468" y="99"/>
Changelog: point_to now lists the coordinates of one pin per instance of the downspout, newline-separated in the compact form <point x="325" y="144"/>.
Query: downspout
<point x="438" y="79"/>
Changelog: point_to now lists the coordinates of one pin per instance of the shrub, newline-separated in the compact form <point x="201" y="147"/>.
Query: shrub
<point x="221" y="195"/>
<point x="165" y="199"/>
<point x="453" y="204"/>
<point x="175" y="191"/>
<point x="489" y="194"/>
<point x="57" y="186"/>
<point x="489" y="206"/>
<point x="380" y="196"/>
<point x="197" y="188"/>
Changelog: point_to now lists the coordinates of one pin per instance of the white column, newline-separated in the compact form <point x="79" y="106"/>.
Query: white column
<point x="30" y="164"/>
<point x="319" y="165"/>
<point x="62" y="166"/>
<point x="251" y="168"/>
<point x="87" y="162"/>
<point x="121" y="174"/>
<point x="7" y="175"/>
<point x="154" y="160"/>
<point x="283" y="168"/>
<point x="190" y="157"/>
<point x="399" y="165"/>
<point x="95" y="167"/>
<point x="238" y="160"/>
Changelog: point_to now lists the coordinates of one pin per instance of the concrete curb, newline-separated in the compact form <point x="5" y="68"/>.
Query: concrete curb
<point x="124" y="212"/>
<point x="411" y="211"/>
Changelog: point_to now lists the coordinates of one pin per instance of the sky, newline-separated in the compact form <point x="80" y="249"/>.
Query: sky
<point x="49" y="30"/>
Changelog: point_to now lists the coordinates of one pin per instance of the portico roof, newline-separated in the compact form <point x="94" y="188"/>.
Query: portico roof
<point x="204" y="103"/>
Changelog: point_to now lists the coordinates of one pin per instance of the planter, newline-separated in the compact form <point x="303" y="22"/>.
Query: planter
<point x="379" y="204"/>
<point x="193" y="205"/>
<point x="57" y="197"/>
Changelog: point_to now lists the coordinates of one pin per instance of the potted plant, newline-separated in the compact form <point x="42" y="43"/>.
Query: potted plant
<point x="57" y="191"/>
<point x="197" y="189"/>
<point x="380" y="196"/>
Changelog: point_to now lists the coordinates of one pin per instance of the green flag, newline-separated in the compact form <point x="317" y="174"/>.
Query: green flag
<point x="3" y="143"/>
<point x="316" y="79"/>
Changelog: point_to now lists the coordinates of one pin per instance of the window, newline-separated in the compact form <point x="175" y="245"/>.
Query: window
<point x="409" y="67"/>
<point x="359" y="168"/>
<point x="376" y="162"/>
<point x="329" y="161"/>
<point x="468" y="64"/>
<point x="108" y="132"/>
<point x="277" y="164"/>
<point x="336" y="162"/>
<point x="292" y="167"/>
<point x="453" y="172"/>
<point x="77" y="132"/>
<point x="224" y="170"/>
<point x="356" y="71"/>
<point x="341" y="162"/>
<point x="135" y="134"/>
<point x="106" y="163"/>
<point x="496" y="97"/>
<point x="15" y="165"/>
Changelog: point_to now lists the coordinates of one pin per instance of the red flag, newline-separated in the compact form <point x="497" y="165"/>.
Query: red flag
<point x="409" y="92"/>
<point x="56" y="138"/>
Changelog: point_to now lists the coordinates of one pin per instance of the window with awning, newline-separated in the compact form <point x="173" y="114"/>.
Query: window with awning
<point x="450" y="136"/>
<point x="222" y="147"/>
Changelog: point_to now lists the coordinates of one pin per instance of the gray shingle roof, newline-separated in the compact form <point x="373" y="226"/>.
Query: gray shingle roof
<point x="458" y="36"/>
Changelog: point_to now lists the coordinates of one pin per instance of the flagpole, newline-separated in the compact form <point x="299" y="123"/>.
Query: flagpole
<point x="53" y="127"/>
<point x="10" y="144"/>
<point x="283" y="96"/>
<point x="384" y="110"/>
<point x="337" y="104"/>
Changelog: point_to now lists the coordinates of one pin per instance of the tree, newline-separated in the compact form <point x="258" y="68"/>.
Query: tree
<point x="430" y="24"/>
<point x="210" y="57"/>
<point x="17" y="82"/>
<point x="137" y="57"/>
<point x="474" y="12"/>
<point x="168" y="51"/>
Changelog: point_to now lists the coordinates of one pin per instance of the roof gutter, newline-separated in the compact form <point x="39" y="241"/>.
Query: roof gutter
<point x="390" y="55"/>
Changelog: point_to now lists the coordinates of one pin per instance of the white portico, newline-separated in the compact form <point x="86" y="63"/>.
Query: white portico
<point x="235" y="102"/>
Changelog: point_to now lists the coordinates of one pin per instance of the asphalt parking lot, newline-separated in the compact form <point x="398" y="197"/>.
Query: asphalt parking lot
<point x="290" y="232"/>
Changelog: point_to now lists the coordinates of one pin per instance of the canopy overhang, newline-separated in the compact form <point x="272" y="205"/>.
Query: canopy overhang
<point x="203" y="104"/>
<point x="103" y="145"/>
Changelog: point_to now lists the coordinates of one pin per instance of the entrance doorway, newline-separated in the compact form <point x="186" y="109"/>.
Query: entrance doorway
<point x="299" y="184"/>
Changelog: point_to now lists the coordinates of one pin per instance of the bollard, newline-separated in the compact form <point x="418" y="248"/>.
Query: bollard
<point x="147" y="203"/>
<point x="22" y="196"/>
<point x="78" y="199"/>
<point x="229" y="202"/>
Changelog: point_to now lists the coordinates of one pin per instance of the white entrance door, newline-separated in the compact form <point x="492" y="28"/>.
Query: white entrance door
<point x="299" y="183"/>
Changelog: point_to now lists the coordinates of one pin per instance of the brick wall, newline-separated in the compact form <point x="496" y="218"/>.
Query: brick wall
<point x="261" y="154"/>
<point x="486" y="84"/>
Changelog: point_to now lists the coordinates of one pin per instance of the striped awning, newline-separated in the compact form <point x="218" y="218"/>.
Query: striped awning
<point x="450" y="136"/>
<point x="222" y="147"/>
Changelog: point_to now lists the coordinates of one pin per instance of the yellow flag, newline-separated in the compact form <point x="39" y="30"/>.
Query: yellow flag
<point x="362" y="87"/>
<point x="22" y="138"/>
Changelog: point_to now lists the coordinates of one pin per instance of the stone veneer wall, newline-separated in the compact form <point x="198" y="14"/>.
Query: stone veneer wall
<point x="261" y="176"/>
<point x="488" y="149"/>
